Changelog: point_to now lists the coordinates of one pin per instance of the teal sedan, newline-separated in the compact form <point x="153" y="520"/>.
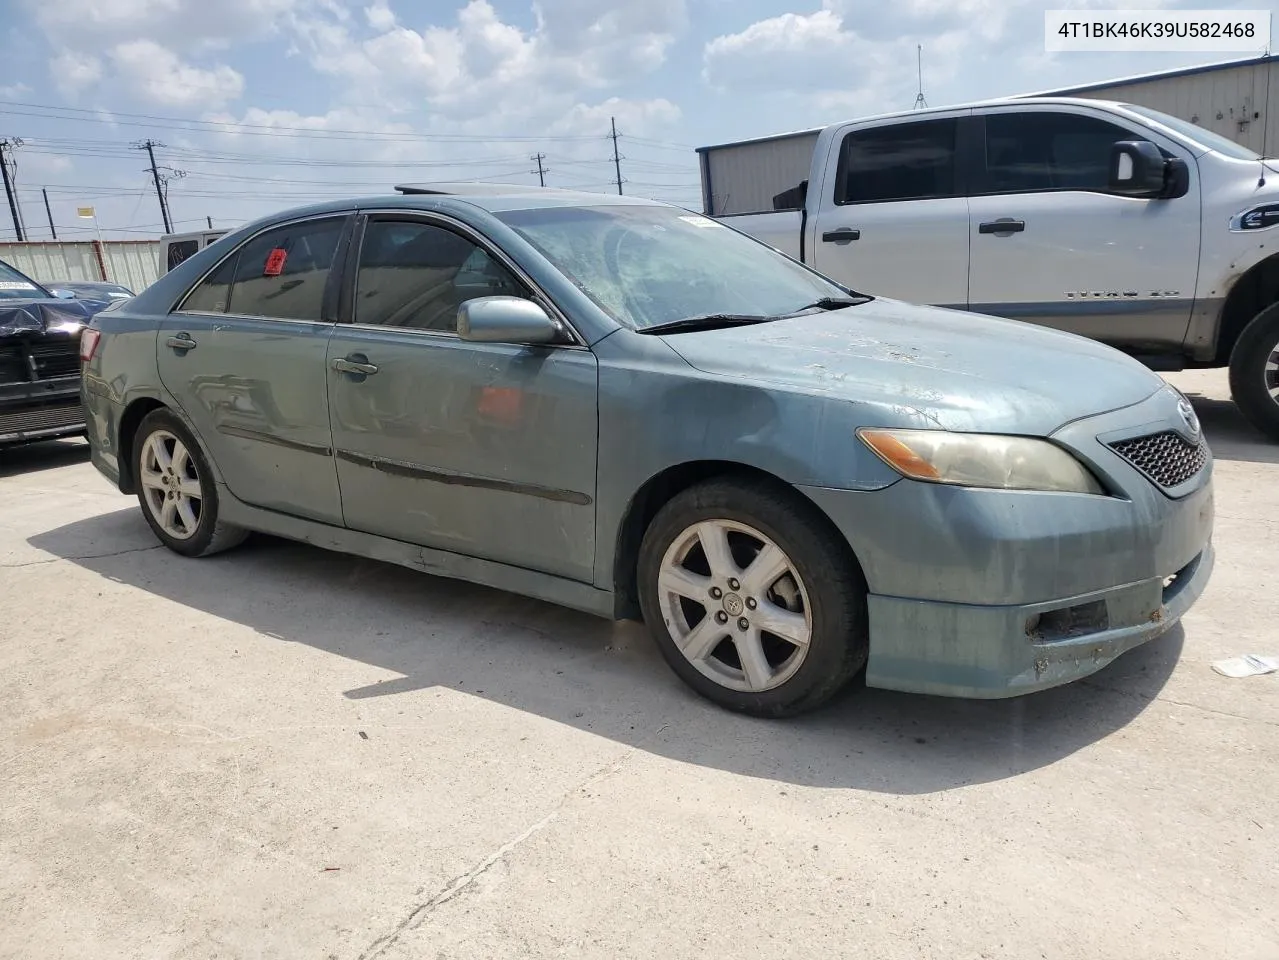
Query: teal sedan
<point x="630" y="409"/>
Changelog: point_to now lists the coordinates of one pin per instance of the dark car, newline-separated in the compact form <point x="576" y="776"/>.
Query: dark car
<point x="100" y="290"/>
<point x="40" y="359"/>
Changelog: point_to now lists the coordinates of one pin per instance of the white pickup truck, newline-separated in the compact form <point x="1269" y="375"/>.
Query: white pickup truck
<point x="1109" y="220"/>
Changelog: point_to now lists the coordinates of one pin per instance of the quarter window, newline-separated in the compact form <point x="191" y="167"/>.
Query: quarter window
<point x="280" y="274"/>
<point x="1049" y="151"/>
<point x="903" y="161"/>
<point x="416" y="275"/>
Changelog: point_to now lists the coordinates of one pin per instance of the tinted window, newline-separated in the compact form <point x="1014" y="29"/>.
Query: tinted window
<point x="1049" y="151"/>
<point x="181" y="249"/>
<point x="906" y="161"/>
<point x="417" y="275"/>
<point x="214" y="291"/>
<point x="282" y="273"/>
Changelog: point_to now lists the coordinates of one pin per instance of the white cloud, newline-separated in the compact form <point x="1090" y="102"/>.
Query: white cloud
<point x="380" y="17"/>
<point x="14" y="91"/>
<point x="159" y="75"/>
<point x="73" y="71"/>
<point x="178" y="24"/>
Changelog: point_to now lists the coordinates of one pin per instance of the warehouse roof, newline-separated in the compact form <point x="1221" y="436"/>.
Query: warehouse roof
<point x="1158" y="75"/>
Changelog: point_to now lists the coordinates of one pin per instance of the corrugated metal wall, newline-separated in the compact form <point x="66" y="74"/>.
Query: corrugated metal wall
<point x="134" y="263"/>
<point x="1232" y="102"/>
<point x="745" y="177"/>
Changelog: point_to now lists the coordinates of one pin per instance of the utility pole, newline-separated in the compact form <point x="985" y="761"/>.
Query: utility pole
<point x="5" y="146"/>
<point x="210" y="219"/>
<point x="617" y="160"/>
<point x="149" y="146"/>
<point x="52" y="229"/>
<point x="540" y="171"/>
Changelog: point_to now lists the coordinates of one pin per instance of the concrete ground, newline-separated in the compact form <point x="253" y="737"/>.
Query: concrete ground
<point x="281" y="752"/>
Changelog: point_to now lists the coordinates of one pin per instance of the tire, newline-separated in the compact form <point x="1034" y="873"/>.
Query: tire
<point x="177" y="484"/>
<point x="821" y="586"/>
<point x="1254" y="372"/>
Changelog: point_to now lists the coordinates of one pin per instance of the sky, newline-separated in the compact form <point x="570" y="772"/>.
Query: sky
<point x="262" y="105"/>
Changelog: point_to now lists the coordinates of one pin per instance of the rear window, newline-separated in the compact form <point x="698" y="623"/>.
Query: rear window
<point x="180" y="250"/>
<point x="900" y="161"/>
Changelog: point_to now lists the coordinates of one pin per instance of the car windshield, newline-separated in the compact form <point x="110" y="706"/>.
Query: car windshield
<point x="651" y="265"/>
<point x="1213" y="141"/>
<point x="14" y="286"/>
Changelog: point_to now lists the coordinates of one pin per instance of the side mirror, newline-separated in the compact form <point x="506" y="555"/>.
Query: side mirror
<point x="63" y="294"/>
<point x="1137" y="169"/>
<point x="505" y="320"/>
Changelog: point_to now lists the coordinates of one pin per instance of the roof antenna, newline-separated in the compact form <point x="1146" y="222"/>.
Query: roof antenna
<point x="919" y="64"/>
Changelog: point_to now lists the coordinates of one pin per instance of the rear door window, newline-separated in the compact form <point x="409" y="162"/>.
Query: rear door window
<point x="179" y="250"/>
<point x="900" y="161"/>
<point x="283" y="273"/>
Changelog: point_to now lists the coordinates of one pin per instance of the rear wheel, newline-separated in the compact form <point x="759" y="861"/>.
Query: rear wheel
<point x="176" y="489"/>
<point x="752" y="598"/>
<point x="1254" y="371"/>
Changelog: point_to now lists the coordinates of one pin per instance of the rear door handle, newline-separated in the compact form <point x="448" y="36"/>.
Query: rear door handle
<point x="182" y="341"/>
<point x="1002" y="225"/>
<point x="357" y="364"/>
<point x="842" y="235"/>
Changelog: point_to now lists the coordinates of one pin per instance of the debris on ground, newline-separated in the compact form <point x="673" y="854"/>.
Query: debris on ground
<point x="1249" y="665"/>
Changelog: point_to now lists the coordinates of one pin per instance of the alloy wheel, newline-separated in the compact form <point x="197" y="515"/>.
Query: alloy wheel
<point x="735" y="605"/>
<point x="171" y="484"/>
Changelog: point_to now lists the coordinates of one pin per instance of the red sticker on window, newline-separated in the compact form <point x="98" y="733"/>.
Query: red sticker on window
<point x="275" y="263"/>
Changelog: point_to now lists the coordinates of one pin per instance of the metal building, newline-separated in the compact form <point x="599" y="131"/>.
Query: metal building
<point x="1231" y="98"/>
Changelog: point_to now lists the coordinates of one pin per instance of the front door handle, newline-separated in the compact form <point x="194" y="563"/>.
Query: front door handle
<point x="1002" y="225"/>
<point x="182" y="341"/>
<point x="356" y="363"/>
<point x="842" y="235"/>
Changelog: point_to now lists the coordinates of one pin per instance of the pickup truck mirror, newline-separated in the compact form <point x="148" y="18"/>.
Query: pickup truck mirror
<point x="1137" y="169"/>
<point x="506" y="320"/>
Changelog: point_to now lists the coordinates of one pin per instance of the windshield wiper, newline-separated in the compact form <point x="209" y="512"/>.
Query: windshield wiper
<point x="706" y="321"/>
<point x="830" y="303"/>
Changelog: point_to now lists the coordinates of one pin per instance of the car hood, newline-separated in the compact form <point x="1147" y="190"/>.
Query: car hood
<point x="45" y="317"/>
<point x="964" y="371"/>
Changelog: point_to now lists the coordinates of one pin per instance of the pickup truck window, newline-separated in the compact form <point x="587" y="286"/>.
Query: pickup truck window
<point x="1039" y="151"/>
<point x="901" y="161"/>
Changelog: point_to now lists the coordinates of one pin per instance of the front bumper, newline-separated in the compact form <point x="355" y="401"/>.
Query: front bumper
<point x="988" y="593"/>
<point x="40" y="410"/>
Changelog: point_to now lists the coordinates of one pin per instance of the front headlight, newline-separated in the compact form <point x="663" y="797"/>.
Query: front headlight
<point x="980" y="460"/>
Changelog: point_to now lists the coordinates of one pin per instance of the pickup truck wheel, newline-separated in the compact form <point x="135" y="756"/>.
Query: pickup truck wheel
<point x="176" y="490"/>
<point x="1254" y="371"/>
<point x="754" y="601"/>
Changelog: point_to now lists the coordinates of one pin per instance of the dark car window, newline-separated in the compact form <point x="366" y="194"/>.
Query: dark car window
<point x="1049" y="151"/>
<point x="15" y="285"/>
<point x="415" y="274"/>
<point x="214" y="292"/>
<point x="282" y="273"/>
<point x="903" y="161"/>
<point x="180" y="250"/>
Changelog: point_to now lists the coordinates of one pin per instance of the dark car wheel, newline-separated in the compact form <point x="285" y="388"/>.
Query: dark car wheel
<point x="753" y="599"/>
<point x="1254" y="372"/>
<point x="176" y="489"/>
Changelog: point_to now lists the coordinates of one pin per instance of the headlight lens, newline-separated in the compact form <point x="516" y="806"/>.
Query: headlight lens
<point x="980" y="460"/>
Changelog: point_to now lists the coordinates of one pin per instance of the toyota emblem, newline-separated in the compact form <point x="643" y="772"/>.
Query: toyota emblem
<point x="1189" y="417"/>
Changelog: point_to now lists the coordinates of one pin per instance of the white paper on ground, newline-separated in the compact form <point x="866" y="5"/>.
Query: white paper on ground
<point x="1249" y="665"/>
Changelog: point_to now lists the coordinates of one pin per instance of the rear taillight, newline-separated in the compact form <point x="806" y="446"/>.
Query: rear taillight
<point x="89" y="343"/>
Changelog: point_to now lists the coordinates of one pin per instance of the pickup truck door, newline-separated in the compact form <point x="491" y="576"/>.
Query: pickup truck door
<point x="892" y="220"/>
<point x="1051" y="245"/>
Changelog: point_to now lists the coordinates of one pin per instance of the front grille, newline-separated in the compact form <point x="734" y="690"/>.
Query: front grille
<point x="24" y="363"/>
<point x="46" y="417"/>
<point x="61" y="359"/>
<point x="1168" y="459"/>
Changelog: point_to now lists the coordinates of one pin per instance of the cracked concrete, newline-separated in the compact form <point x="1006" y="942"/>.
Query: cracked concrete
<point x="279" y="752"/>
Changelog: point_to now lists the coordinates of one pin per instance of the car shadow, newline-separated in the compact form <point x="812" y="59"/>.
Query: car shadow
<point x="42" y="455"/>
<point x="1230" y="434"/>
<point x="607" y="678"/>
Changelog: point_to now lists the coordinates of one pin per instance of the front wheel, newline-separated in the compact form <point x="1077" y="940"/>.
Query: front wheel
<point x="753" y="599"/>
<point x="1254" y="372"/>
<point x="176" y="490"/>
